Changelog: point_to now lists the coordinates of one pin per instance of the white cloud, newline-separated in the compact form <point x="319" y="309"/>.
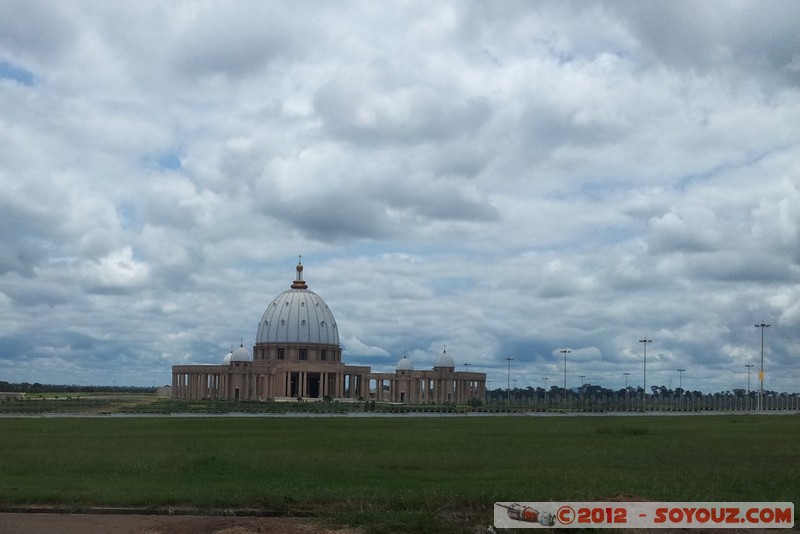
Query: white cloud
<point x="118" y="270"/>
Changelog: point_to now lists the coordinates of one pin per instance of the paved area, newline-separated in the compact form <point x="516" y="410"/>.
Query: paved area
<point x="30" y="523"/>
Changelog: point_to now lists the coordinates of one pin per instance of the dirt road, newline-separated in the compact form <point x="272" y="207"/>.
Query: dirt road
<point x="31" y="523"/>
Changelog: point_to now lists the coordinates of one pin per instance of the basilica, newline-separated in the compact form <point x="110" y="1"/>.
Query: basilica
<point x="297" y="355"/>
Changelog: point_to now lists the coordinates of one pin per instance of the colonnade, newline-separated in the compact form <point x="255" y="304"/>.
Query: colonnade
<point x="194" y="382"/>
<point x="248" y="382"/>
<point x="428" y="387"/>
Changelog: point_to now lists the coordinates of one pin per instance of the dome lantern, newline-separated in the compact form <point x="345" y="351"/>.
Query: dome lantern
<point x="299" y="283"/>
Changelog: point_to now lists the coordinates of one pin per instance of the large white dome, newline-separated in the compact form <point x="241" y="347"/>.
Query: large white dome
<point x="298" y="315"/>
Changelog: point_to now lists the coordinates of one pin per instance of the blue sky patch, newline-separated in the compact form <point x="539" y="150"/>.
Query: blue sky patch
<point x="9" y="71"/>
<point x="170" y="160"/>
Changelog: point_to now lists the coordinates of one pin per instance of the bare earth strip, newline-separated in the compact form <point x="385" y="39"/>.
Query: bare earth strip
<point x="26" y="523"/>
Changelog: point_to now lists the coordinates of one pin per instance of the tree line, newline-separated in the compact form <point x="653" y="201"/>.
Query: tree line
<point x="36" y="387"/>
<point x="590" y="390"/>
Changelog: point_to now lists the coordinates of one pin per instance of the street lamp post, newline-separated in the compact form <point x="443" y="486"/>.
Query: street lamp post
<point x="680" y="379"/>
<point x="762" y="326"/>
<point x="645" y="341"/>
<point x="749" y="366"/>
<point x="466" y="367"/>
<point x="508" y="385"/>
<point x="565" y="352"/>
<point x="626" y="389"/>
<point x="545" y="391"/>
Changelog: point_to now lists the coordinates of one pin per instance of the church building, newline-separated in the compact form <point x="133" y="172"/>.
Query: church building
<point x="297" y="355"/>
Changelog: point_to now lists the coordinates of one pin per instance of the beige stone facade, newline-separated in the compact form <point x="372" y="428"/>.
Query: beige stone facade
<point x="438" y="386"/>
<point x="297" y="355"/>
<point x="263" y="380"/>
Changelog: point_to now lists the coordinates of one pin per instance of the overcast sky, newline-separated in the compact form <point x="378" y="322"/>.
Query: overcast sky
<point x="508" y="179"/>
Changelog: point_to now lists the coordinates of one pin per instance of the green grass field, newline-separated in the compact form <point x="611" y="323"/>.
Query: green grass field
<point x="390" y="473"/>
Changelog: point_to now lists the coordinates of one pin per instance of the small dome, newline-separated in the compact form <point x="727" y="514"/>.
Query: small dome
<point x="405" y="364"/>
<point x="241" y="355"/>
<point x="444" y="361"/>
<point x="227" y="359"/>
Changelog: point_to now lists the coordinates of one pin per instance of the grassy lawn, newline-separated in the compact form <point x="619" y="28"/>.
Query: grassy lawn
<point x="390" y="473"/>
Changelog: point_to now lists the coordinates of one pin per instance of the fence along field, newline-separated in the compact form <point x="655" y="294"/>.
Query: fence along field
<point x="144" y="404"/>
